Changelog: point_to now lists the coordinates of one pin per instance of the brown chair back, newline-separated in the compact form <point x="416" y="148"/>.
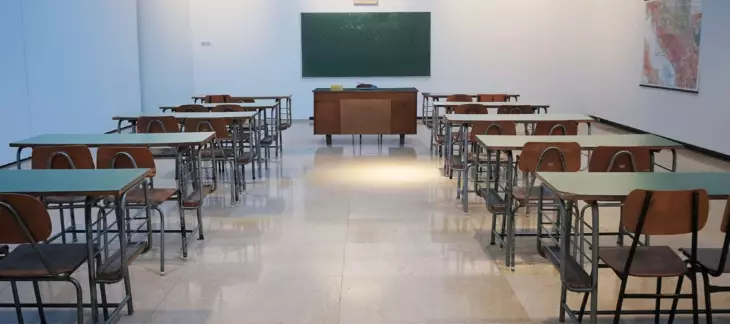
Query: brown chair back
<point x="30" y="212"/>
<point x="220" y="98"/>
<point x="667" y="212"/>
<point x="227" y="108"/>
<point x="620" y="159"/>
<point x="470" y="109"/>
<point x="190" y="108"/>
<point x="158" y="124"/>
<point x="125" y="158"/>
<point x="561" y="127"/>
<point x="62" y="157"/>
<point x="492" y="98"/>
<point x="243" y="100"/>
<point x="550" y="157"/>
<point x="458" y="98"/>
<point x="217" y="125"/>
<point x="515" y="110"/>
<point x="492" y="128"/>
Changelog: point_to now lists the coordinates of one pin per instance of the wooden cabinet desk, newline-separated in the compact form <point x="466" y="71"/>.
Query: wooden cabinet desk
<point x="365" y="112"/>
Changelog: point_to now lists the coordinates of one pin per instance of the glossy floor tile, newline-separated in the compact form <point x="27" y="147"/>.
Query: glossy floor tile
<point x="357" y="233"/>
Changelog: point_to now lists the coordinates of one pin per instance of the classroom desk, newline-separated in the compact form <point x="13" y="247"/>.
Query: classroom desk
<point x="464" y="120"/>
<point x="91" y="184"/>
<point x="429" y="98"/>
<point x="507" y="144"/>
<point x="194" y="141"/>
<point x="570" y="188"/>
<point x="263" y="107"/>
<point x="449" y="106"/>
<point x="365" y="111"/>
<point x="240" y="116"/>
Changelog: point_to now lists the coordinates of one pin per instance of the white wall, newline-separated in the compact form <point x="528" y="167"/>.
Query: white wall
<point x="165" y="52"/>
<point x="71" y="66"/>
<point x="618" y="40"/>
<point x="578" y="56"/>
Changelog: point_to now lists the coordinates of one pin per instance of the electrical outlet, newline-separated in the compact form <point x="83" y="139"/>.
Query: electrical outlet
<point x="205" y="43"/>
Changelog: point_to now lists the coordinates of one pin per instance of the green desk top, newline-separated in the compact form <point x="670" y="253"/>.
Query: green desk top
<point x="135" y="139"/>
<point x="247" y="97"/>
<point x="368" y="90"/>
<point x="517" y="118"/>
<point x="488" y="104"/>
<point x="211" y="115"/>
<point x="615" y="186"/>
<point x="95" y="182"/>
<point x="586" y="142"/>
<point x="255" y="105"/>
<point x="436" y="95"/>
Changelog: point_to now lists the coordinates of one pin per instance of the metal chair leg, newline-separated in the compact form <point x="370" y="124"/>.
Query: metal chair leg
<point x="492" y="235"/>
<point x="79" y="300"/>
<point x="104" y="303"/>
<point x="658" y="301"/>
<point x="583" y="307"/>
<point x="39" y="301"/>
<point x="199" y="213"/>
<point x="183" y="232"/>
<point x="708" y="297"/>
<point x="63" y="224"/>
<point x="675" y="300"/>
<point x="162" y="240"/>
<point x="16" y="300"/>
<point x="128" y="290"/>
<point x="695" y="298"/>
<point x="620" y="302"/>
<point x="74" y="237"/>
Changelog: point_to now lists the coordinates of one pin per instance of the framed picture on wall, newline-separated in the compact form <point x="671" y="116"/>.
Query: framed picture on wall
<point x="672" y="45"/>
<point x="366" y="2"/>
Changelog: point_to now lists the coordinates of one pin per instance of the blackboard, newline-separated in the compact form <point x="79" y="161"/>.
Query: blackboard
<point x="366" y="44"/>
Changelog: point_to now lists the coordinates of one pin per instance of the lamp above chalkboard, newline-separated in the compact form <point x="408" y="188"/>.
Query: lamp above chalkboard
<point x="366" y="2"/>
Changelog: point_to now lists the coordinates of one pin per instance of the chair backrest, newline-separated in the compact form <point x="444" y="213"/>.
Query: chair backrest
<point x="492" y="98"/>
<point x="620" y="159"/>
<point x="726" y="217"/>
<point x="471" y="109"/>
<point x="550" y="157"/>
<point x="125" y="158"/>
<point x="220" y="98"/>
<point x="515" y="110"/>
<point x="227" y="108"/>
<point x="217" y="125"/>
<point x="665" y="212"/>
<point x="190" y="108"/>
<point x="458" y="98"/>
<point x="21" y="213"/>
<point x="158" y="124"/>
<point x="62" y="157"/>
<point x="505" y="127"/>
<point x="243" y="100"/>
<point x="558" y="127"/>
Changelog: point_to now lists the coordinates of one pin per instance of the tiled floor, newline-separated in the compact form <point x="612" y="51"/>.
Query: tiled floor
<point x="355" y="234"/>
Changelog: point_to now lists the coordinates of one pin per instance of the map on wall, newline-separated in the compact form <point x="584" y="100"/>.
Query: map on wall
<point x="672" y="44"/>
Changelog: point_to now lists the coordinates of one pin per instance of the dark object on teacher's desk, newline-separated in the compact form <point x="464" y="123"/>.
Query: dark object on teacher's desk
<point x="365" y="86"/>
<point x="3" y="251"/>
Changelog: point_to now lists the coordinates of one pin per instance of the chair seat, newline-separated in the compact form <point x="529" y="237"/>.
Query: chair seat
<point x="522" y="193"/>
<point x="267" y="140"/>
<point x="25" y="262"/>
<point x="160" y="152"/>
<point x="649" y="261"/>
<point x="156" y="195"/>
<point x="708" y="258"/>
<point x="246" y="158"/>
<point x="457" y="163"/>
<point x="284" y="126"/>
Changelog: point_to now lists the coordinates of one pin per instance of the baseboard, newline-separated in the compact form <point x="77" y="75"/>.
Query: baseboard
<point x="694" y="148"/>
<point x="26" y="159"/>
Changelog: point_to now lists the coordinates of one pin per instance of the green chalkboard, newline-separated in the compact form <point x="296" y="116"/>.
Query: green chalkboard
<point x="366" y="44"/>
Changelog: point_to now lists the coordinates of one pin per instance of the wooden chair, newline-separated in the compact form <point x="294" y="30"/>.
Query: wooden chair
<point x="536" y="157"/>
<point x="492" y="98"/>
<point x="25" y="221"/>
<point x="190" y="108"/>
<point x="471" y="109"/>
<point x="476" y="156"/>
<point x="459" y="98"/>
<point x="515" y="110"/>
<point x="562" y="127"/>
<point x="712" y="262"/>
<point x="158" y="124"/>
<point x="648" y="212"/>
<point x="63" y="157"/>
<point x="141" y="157"/>
<point x="220" y="98"/>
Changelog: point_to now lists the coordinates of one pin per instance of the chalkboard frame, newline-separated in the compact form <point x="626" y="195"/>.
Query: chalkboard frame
<point x="415" y="63"/>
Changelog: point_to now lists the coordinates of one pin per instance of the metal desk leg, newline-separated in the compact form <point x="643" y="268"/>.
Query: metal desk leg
<point x="277" y="130"/>
<point x="447" y="150"/>
<point x="509" y="245"/>
<point x="465" y="175"/>
<point x="595" y="234"/>
<point x="17" y="157"/>
<point x="257" y="143"/>
<point x="91" y="262"/>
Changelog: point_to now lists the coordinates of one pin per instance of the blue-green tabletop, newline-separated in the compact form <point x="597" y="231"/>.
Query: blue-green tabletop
<point x="586" y="142"/>
<point x="517" y="118"/>
<point x="260" y="105"/>
<point x="436" y="95"/>
<point x="132" y="139"/>
<point x="368" y="90"/>
<point x="489" y="104"/>
<point x="94" y="182"/>
<point x="615" y="186"/>
<point x="210" y="115"/>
